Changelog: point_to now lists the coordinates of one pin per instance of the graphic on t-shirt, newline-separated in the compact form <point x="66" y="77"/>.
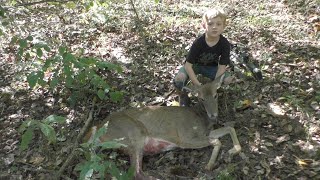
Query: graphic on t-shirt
<point x="208" y="58"/>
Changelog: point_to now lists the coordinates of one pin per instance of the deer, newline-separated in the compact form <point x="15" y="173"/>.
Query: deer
<point x="155" y="129"/>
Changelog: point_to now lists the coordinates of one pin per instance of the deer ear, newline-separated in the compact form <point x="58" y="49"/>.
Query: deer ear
<point x="218" y="81"/>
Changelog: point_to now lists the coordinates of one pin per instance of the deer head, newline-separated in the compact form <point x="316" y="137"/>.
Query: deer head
<point x="207" y="94"/>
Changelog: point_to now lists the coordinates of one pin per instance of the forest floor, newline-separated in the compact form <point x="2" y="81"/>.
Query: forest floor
<point x="279" y="129"/>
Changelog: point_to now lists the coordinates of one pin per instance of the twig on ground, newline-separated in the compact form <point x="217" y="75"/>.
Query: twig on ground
<point x="76" y="144"/>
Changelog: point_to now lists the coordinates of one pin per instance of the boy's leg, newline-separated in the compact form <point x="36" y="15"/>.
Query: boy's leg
<point x="180" y="80"/>
<point x="211" y="71"/>
<point x="208" y="71"/>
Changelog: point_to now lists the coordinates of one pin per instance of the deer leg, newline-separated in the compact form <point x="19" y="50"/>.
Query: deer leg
<point x="136" y="162"/>
<point x="227" y="130"/>
<point x="214" y="135"/>
<point x="217" y="145"/>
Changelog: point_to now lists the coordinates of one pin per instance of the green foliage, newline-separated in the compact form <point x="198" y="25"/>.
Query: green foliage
<point x="46" y="126"/>
<point x="3" y="20"/>
<point x="226" y="174"/>
<point x="317" y="97"/>
<point x="77" y="76"/>
<point x="96" y="163"/>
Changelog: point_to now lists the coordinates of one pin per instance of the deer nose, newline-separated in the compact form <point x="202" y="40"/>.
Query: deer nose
<point x="212" y="116"/>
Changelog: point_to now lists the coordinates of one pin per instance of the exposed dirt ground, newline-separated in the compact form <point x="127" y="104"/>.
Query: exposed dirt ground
<point x="282" y="39"/>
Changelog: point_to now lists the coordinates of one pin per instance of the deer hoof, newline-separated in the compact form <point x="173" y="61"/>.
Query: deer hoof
<point x="210" y="166"/>
<point x="235" y="150"/>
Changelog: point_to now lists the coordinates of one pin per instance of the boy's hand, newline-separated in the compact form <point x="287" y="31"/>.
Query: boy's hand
<point x="198" y="84"/>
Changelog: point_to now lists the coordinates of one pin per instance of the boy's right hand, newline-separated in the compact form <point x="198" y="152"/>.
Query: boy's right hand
<point x="198" y="84"/>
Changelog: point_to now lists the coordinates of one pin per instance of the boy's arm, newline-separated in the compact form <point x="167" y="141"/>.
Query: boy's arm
<point x="221" y="70"/>
<point x="191" y="74"/>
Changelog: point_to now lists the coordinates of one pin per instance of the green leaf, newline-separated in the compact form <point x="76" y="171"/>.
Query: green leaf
<point x="40" y="74"/>
<point x="85" y="170"/>
<point x="20" y="51"/>
<point x="70" y="5"/>
<point x="67" y="70"/>
<point x="23" y="43"/>
<point x="130" y="173"/>
<point x="47" y="48"/>
<point x="49" y="132"/>
<point x="32" y="79"/>
<point x="68" y="57"/>
<point x="88" y="61"/>
<point x="2" y="12"/>
<point x="39" y="52"/>
<point x="47" y="64"/>
<point x="82" y="77"/>
<point x="116" y="96"/>
<point x="14" y="40"/>
<point x="101" y="131"/>
<point x="5" y="23"/>
<point x="26" y="139"/>
<point x="111" y="145"/>
<point x="29" y="38"/>
<point x="26" y="124"/>
<point x="115" y="172"/>
<point x="101" y="94"/>
<point x="28" y="55"/>
<point x="62" y="50"/>
<point x="110" y="66"/>
<point x="54" y="119"/>
<point x="69" y="81"/>
<point x="54" y="82"/>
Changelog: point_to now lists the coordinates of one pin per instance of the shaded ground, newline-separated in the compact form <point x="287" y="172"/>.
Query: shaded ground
<point x="274" y="146"/>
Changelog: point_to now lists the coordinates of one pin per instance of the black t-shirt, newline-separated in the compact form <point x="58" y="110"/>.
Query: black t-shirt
<point x="201" y="54"/>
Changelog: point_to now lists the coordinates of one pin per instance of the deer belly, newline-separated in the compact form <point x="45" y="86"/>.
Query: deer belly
<point x="155" y="145"/>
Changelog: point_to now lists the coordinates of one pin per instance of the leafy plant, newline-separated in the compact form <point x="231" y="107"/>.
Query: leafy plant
<point x="3" y="20"/>
<point x="46" y="126"/>
<point x="76" y="76"/>
<point x="95" y="161"/>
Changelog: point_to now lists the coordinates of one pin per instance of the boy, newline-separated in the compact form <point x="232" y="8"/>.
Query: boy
<point x="209" y="54"/>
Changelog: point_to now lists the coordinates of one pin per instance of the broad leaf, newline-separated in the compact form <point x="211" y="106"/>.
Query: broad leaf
<point x="62" y="50"/>
<point x="116" y="96"/>
<point x="54" y="82"/>
<point x="26" y="124"/>
<point x="101" y="131"/>
<point x="39" y="52"/>
<point x="85" y="170"/>
<point x="101" y="94"/>
<point x="23" y="43"/>
<point x="26" y="138"/>
<point x="32" y="79"/>
<point x="29" y="38"/>
<point x="110" y="66"/>
<point x="49" y="132"/>
<point x="47" y="48"/>
<point x="111" y="145"/>
<point x="54" y="119"/>
<point x="68" y="57"/>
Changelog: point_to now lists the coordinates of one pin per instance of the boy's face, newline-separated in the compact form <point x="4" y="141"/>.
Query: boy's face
<point x="214" y="27"/>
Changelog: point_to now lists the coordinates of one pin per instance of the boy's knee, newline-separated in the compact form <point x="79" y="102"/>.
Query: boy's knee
<point x="179" y="81"/>
<point x="178" y="84"/>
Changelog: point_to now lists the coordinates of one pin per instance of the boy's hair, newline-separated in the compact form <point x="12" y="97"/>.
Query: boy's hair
<point x="213" y="13"/>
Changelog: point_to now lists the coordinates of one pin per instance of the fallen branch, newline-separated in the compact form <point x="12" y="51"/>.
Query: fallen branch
<point x="76" y="144"/>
